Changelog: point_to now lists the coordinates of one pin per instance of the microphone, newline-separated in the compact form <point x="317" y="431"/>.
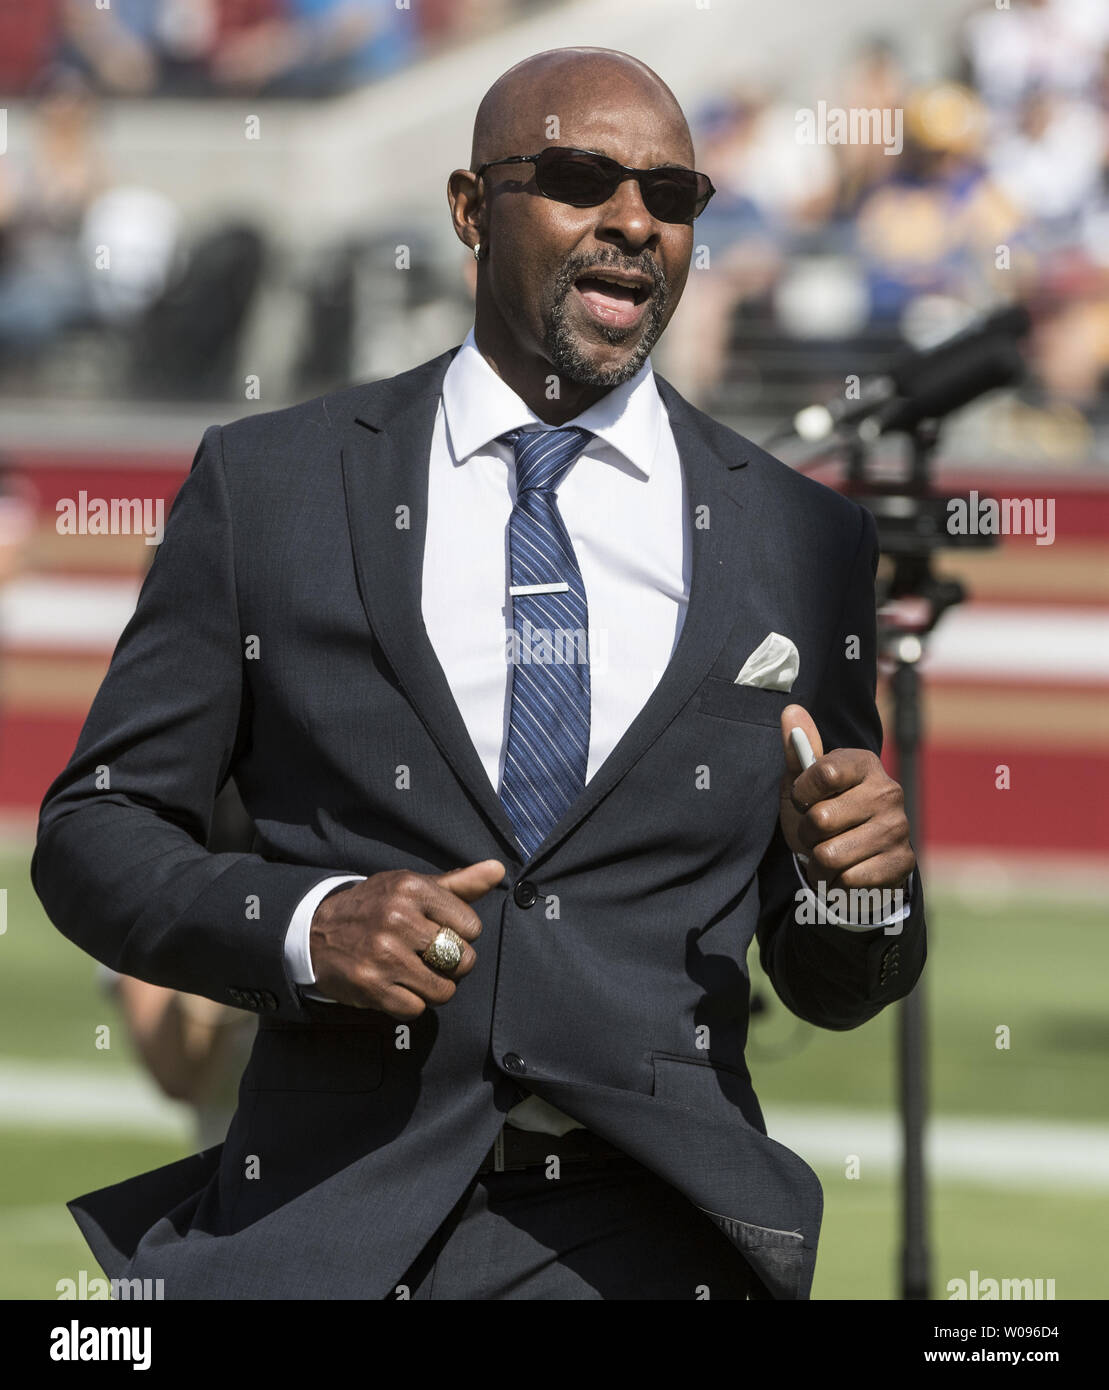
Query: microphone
<point x="817" y="422"/>
<point x="927" y="385"/>
<point x="983" y="357"/>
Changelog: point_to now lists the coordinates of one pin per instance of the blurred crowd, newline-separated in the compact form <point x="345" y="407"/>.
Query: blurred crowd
<point x="816" y="258"/>
<point x="999" y="193"/>
<point x="189" y="48"/>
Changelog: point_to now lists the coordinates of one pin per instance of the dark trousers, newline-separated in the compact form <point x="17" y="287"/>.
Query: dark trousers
<point x="597" y="1231"/>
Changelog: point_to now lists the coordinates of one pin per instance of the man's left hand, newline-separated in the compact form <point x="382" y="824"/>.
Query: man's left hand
<point x="845" y="813"/>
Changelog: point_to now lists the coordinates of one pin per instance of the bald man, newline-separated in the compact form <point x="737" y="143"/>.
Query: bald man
<point x="507" y="656"/>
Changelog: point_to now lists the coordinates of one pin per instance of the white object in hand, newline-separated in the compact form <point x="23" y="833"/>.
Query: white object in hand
<point x="802" y="747"/>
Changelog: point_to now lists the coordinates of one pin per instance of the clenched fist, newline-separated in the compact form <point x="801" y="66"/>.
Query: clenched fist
<point x="366" y="939"/>
<point x="845" y="813"/>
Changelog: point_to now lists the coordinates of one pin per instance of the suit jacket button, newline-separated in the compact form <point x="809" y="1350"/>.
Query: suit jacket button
<point x="514" y="1062"/>
<point x="525" y="894"/>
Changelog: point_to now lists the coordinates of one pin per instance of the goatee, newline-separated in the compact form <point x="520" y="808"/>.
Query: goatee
<point x="563" y="347"/>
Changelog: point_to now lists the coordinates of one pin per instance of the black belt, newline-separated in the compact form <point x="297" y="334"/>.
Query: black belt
<point x="514" y="1149"/>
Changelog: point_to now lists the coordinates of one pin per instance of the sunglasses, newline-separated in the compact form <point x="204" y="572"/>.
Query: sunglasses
<point x="585" y="180"/>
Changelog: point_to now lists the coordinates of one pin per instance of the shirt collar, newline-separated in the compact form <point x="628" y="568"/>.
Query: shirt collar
<point x="478" y="407"/>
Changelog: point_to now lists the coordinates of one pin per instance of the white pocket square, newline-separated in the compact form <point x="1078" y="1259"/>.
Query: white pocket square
<point x="773" y="665"/>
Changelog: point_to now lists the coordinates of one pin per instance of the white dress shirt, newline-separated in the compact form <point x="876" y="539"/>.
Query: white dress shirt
<point x="636" y="576"/>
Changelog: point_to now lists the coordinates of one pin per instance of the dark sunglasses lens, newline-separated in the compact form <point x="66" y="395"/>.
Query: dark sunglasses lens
<point x="672" y="195"/>
<point x="582" y="180"/>
<point x="585" y="180"/>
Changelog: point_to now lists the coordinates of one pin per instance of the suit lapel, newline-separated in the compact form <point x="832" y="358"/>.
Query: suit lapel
<point x="386" y="451"/>
<point x="385" y="455"/>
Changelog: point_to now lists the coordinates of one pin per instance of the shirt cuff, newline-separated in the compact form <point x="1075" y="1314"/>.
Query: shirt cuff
<point x="298" y="954"/>
<point x="825" y="910"/>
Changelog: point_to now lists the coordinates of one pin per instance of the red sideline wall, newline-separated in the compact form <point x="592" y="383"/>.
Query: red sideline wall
<point x="1029" y="703"/>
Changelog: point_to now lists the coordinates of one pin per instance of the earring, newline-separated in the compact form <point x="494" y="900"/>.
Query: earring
<point x="477" y="251"/>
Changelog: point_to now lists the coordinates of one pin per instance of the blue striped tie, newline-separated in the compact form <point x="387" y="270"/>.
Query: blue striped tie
<point x="548" y="729"/>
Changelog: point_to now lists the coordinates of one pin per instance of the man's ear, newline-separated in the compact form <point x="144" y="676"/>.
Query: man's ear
<point x="464" y="194"/>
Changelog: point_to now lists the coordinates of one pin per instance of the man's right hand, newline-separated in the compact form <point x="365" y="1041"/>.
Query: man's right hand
<point x="366" y="940"/>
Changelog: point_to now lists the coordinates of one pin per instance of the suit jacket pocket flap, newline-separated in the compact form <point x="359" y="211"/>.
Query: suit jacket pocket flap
<point x="749" y="703"/>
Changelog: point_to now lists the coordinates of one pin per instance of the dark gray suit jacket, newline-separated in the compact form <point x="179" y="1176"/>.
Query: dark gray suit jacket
<point x="278" y="637"/>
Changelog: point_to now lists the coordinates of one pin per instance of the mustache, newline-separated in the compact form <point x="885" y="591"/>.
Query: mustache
<point x="577" y="265"/>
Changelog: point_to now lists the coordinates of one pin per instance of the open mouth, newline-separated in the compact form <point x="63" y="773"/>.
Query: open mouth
<point x="612" y="297"/>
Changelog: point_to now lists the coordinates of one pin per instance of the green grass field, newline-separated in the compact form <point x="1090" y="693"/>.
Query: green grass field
<point x="1036" y="969"/>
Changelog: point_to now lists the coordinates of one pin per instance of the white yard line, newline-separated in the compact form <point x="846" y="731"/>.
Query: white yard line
<point x="986" y="1151"/>
<point x="48" y="1095"/>
<point x="990" y="1152"/>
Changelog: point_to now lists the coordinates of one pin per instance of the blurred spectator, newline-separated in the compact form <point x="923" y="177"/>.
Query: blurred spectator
<point x="308" y="47"/>
<point x="1043" y="70"/>
<point x="44" y="281"/>
<point x="1070" y="348"/>
<point x="936" y="222"/>
<point x="28" y="36"/>
<point x="738" y="251"/>
<point x="141" y="229"/>
<point x="194" y="1048"/>
<point x="875" y="82"/>
<point x="1049" y="164"/>
<point x="185" y="343"/>
<point x="441" y="21"/>
<point x="1044" y="45"/>
<point x="792" y="184"/>
<point x="282" y="48"/>
<point x="279" y="47"/>
<point x="17" y="522"/>
<point x="77" y="252"/>
<point x="117" y="48"/>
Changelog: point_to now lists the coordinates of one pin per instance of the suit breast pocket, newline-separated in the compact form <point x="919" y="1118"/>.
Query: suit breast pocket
<point x="749" y="704"/>
<point x="333" y="1060"/>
